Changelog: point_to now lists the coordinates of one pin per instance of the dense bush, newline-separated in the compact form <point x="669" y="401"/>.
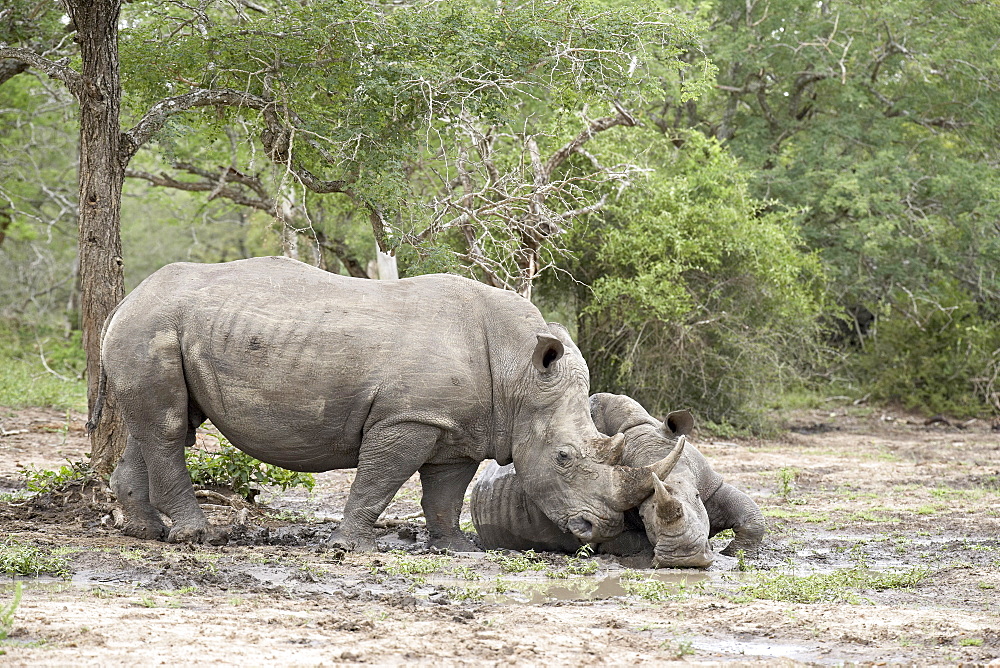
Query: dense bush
<point x="697" y="295"/>
<point x="934" y="357"/>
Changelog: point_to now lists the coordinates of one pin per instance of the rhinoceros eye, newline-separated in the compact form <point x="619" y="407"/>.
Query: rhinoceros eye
<point x="563" y="458"/>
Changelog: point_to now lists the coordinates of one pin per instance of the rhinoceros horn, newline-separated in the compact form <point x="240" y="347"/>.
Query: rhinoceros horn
<point x="634" y="484"/>
<point x="610" y="450"/>
<point x="668" y="509"/>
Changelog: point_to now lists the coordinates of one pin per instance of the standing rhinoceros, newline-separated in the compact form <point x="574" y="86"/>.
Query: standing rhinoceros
<point x="312" y="371"/>
<point x="690" y="504"/>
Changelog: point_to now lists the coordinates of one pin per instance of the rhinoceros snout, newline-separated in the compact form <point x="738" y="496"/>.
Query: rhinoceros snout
<point x="702" y="558"/>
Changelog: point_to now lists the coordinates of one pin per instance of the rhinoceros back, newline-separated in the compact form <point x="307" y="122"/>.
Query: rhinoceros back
<point x="293" y="363"/>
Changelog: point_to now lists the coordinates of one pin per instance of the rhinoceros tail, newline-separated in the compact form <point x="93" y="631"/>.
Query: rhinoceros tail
<point x="95" y="415"/>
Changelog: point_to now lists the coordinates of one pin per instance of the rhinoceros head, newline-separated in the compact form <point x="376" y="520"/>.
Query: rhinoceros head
<point x="677" y="524"/>
<point x="565" y="464"/>
<point x="676" y="521"/>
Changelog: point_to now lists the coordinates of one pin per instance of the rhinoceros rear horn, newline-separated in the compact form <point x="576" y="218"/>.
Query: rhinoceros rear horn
<point x="610" y="450"/>
<point x="547" y="351"/>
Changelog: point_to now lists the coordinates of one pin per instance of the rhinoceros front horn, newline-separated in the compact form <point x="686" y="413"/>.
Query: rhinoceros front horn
<point x="634" y="484"/>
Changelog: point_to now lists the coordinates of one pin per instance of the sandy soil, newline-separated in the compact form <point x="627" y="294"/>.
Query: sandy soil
<point x="873" y="497"/>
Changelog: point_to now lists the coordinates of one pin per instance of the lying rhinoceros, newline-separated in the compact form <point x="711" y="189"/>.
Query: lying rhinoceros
<point x="691" y="495"/>
<point x="312" y="371"/>
<point x="691" y="502"/>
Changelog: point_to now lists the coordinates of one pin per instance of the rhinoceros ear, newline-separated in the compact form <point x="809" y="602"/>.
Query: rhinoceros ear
<point x="547" y="351"/>
<point x="678" y="423"/>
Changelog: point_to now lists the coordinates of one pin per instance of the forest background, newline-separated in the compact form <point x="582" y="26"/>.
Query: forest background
<point x="735" y="205"/>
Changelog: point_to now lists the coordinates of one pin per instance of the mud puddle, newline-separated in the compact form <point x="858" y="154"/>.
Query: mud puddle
<point x="534" y="591"/>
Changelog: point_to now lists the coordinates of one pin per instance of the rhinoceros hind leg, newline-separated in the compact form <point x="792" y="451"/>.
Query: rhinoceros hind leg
<point x="344" y="541"/>
<point x="130" y="483"/>
<point x="213" y="535"/>
<point x="444" y="488"/>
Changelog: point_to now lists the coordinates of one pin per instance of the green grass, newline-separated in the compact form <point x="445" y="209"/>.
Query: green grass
<point x="7" y="611"/>
<point x="24" y="379"/>
<point x="24" y="559"/>
<point x="803" y="515"/>
<point x="839" y="586"/>
<point x="410" y="566"/>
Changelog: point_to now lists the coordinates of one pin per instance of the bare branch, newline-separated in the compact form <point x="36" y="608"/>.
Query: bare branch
<point x="623" y="117"/>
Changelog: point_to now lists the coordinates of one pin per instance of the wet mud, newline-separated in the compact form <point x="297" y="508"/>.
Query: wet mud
<point x="884" y="548"/>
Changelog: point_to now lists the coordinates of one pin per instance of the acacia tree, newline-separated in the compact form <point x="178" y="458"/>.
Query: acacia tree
<point x="97" y="88"/>
<point x="338" y="94"/>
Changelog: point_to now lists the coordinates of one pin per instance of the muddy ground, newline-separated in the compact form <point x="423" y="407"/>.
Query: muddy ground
<point x="859" y="506"/>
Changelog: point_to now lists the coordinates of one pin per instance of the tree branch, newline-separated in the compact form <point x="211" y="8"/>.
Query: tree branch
<point x="56" y="69"/>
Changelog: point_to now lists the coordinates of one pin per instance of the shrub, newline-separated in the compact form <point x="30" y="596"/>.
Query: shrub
<point x="698" y="295"/>
<point x="934" y="357"/>
<point x="228" y="466"/>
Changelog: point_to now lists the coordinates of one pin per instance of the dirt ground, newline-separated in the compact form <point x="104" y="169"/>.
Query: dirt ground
<point x="858" y="506"/>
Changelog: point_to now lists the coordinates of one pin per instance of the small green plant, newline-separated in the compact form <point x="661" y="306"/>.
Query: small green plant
<point x="406" y="565"/>
<point x="650" y="590"/>
<point x="465" y="572"/>
<point x="7" y="611"/>
<point x="132" y="553"/>
<point x="680" y="648"/>
<point x="72" y="473"/>
<point x="465" y="594"/>
<point x="517" y="563"/>
<point x="786" y="482"/>
<point x="228" y="466"/>
<point x="146" y="602"/>
<point x="986" y="585"/>
<point x="23" y="559"/>
<point x="970" y="642"/>
<point x="578" y="566"/>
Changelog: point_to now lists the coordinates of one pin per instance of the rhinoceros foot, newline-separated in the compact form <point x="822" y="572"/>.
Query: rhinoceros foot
<point x="145" y="530"/>
<point x="453" y="543"/>
<point x="343" y="540"/>
<point x="213" y="535"/>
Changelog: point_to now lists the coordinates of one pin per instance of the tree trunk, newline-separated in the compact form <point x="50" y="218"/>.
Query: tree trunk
<point x="102" y="173"/>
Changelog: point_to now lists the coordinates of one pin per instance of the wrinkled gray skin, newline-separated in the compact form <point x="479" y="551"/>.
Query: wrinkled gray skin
<point x="692" y="503"/>
<point x="312" y="371"/>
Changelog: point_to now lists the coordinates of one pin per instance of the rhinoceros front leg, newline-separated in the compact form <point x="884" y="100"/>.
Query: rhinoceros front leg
<point x="730" y="508"/>
<point x="444" y="488"/>
<point x="130" y="483"/>
<point x="389" y="456"/>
